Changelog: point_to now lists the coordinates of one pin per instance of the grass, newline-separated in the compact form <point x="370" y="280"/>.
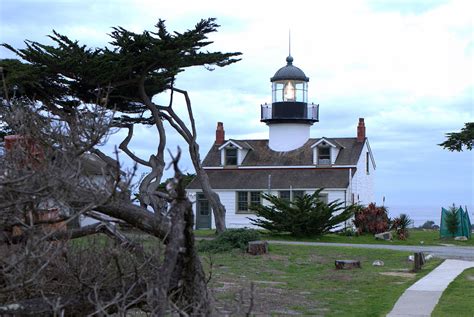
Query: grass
<point x="429" y="237"/>
<point x="303" y="279"/>
<point x="458" y="298"/>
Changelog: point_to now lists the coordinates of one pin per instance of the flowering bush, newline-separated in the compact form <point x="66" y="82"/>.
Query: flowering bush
<point x="371" y="219"/>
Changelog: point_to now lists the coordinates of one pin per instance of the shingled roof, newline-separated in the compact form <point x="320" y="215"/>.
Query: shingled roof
<point x="261" y="154"/>
<point x="280" y="178"/>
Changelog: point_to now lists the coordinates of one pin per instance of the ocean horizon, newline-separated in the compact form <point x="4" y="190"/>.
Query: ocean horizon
<point x="422" y="213"/>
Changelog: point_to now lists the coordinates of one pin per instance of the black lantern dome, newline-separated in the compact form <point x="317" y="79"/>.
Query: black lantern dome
<point x="289" y="97"/>
<point x="289" y="72"/>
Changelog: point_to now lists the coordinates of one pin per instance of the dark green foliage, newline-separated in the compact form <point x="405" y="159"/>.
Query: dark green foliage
<point x="428" y="225"/>
<point x="401" y="225"/>
<point x="371" y="219"/>
<point x="452" y="220"/>
<point x="228" y="240"/>
<point x="186" y="180"/>
<point x="456" y="140"/>
<point x="152" y="58"/>
<point x="306" y="215"/>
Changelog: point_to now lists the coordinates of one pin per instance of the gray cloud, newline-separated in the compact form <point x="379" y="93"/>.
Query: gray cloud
<point x="403" y="65"/>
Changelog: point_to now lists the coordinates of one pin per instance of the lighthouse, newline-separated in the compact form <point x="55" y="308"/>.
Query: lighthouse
<point x="289" y="117"/>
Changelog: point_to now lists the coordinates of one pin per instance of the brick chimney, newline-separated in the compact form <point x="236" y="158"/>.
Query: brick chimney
<point x="220" y="133"/>
<point x="361" y="130"/>
<point x="32" y="151"/>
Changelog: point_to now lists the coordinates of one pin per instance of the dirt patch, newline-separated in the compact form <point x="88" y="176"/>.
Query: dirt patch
<point x="314" y="258"/>
<point x="234" y="298"/>
<point x="275" y="257"/>
<point x="270" y="282"/>
<point x="399" y="274"/>
<point x="274" y="272"/>
<point x="338" y="276"/>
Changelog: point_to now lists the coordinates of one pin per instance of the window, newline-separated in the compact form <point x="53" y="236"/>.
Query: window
<point x="323" y="198"/>
<point x="291" y="195"/>
<point x="324" y="155"/>
<point x="245" y="199"/>
<point x="285" y="194"/>
<point x="367" y="167"/>
<point x="231" y="156"/>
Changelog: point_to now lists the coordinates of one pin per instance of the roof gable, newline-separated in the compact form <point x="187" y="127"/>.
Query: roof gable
<point x="262" y="155"/>
<point x="331" y="143"/>
<point x="237" y="143"/>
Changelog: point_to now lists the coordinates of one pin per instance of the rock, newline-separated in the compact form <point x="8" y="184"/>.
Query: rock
<point x="384" y="236"/>
<point x="257" y="247"/>
<point x="411" y="258"/>
<point x="347" y="264"/>
<point x="378" y="263"/>
<point x="461" y="238"/>
<point x="422" y="242"/>
<point x="428" y="257"/>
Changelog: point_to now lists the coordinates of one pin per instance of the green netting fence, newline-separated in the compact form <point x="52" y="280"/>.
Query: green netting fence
<point x="464" y="224"/>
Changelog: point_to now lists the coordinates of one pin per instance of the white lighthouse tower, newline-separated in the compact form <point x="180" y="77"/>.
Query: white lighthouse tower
<point x="289" y="117"/>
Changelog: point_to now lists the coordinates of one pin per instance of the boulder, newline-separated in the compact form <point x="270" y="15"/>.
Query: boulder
<point x="384" y="236"/>
<point x="378" y="263"/>
<point x="460" y="238"/>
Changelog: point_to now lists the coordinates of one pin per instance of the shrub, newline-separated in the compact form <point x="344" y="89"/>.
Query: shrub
<point x="400" y="225"/>
<point x="428" y="225"/>
<point x="306" y="215"/>
<point x="348" y="232"/>
<point x="228" y="240"/>
<point x="371" y="219"/>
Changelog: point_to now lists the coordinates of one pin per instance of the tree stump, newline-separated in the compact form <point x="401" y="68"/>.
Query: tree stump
<point x="257" y="247"/>
<point x="347" y="264"/>
<point x="419" y="261"/>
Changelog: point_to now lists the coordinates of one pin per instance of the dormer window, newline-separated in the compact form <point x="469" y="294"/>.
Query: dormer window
<point x="326" y="151"/>
<point x="233" y="152"/>
<point x="231" y="156"/>
<point x="324" y="155"/>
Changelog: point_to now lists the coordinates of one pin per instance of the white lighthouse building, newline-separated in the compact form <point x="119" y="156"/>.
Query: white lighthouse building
<point x="289" y="117"/>
<point x="289" y="163"/>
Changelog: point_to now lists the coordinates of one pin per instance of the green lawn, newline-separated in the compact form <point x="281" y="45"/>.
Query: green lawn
<point x="458" y="299"/>
<point x="417" y="236"/>
<point x="303" y="279"/>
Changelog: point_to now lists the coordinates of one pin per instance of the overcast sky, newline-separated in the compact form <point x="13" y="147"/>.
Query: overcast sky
<point x="405" y="66"/>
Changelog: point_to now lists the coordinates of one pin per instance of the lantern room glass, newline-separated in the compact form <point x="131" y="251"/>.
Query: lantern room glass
<point x="290" y="91"/>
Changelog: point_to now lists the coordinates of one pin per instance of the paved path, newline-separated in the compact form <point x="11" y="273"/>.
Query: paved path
<point x="445" y="252"/>
<point x="421" y="298"/>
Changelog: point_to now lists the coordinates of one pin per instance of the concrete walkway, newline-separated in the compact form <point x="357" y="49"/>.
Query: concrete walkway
<point x="444" y="252"/>
<point x="421" y="298"/>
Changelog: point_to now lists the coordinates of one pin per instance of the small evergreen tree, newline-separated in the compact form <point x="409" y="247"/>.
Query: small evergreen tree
<point x="452" y="221"/>
<point x="306" y="215"/>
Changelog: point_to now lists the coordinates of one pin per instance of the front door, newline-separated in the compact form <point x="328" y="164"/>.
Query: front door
<point x="203" y="212"/>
